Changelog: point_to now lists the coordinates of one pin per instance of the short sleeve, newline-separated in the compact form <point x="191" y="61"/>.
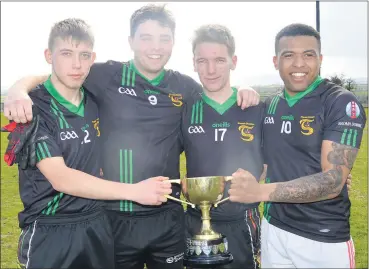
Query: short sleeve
<point x="99" y="77"/>
<point x="344" y="120"/>
<point x="46" y="144"/>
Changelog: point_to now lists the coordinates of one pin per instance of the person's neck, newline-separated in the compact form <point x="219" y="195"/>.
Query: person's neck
<point x="220" y="96"/>
<point x="289" y="92"/>
<point x="74" y="96"/>
<point x="148" y="75"/>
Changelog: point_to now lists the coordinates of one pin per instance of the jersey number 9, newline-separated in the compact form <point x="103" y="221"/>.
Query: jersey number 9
<point x="153" y="100"/>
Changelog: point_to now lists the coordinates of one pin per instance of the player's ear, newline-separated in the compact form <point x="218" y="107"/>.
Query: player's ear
<point x="275" y="62"/>
<point x="130" y="41"/>
<point x="234" y="62"/>
<point x="48" y="56"/>
<point x="194" y="64"/>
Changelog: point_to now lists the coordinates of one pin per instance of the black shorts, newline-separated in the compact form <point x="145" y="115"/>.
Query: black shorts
<point x="243" y="237"/>
<point x="70" y="241"/>
<point x="156" y="239"/>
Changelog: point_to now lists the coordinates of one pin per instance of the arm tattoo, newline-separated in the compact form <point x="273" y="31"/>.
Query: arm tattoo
<point x="342" y="155"/>
<point x="321" y="186"/>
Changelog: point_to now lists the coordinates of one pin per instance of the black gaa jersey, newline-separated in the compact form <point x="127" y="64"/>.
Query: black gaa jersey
<point x="219" y="139"/>
<point x="293" y="134"/>
<point x="140" y="123"/>
<point x="67" y="131"/>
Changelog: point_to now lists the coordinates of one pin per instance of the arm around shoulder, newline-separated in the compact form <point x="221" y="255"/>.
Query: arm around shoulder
<point x="18" y="104"/>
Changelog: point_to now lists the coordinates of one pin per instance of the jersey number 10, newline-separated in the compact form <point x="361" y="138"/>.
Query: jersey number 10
<point x="286" y="127"/>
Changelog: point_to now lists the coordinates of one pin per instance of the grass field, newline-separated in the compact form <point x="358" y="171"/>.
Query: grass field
<point x="11" y="205"/>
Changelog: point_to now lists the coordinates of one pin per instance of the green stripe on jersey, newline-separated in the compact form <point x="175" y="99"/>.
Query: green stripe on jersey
<point x="125" y="175"/>
<point x="273" y="105"/>
<point x="53" y="205"/>
<point x="349" y="138"/>
<point x="197" y="112"/>
<point x="354" y="139"/>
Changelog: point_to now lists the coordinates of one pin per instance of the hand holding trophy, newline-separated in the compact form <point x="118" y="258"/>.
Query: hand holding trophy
<point x="207" y="247"/>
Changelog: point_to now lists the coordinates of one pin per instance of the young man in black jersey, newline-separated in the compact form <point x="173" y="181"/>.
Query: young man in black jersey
<point x="219" y="137"/>
<point x="63" y="223"/>
<point x="140" y="105"/>
<point x="312" y="134"/>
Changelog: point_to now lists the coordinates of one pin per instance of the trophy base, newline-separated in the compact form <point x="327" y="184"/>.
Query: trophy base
<point x="207" y="253"/>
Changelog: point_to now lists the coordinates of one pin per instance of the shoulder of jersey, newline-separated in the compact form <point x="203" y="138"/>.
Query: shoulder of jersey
<point x="331" y="91"/>
<point x="110" y="65"/>
<point x="270" y="98"/>
<point x="39" y="94"/>
<point x="190" y="86"/>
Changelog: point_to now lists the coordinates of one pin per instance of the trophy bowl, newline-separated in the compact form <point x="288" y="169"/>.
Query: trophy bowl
<point x="206" y="247"/>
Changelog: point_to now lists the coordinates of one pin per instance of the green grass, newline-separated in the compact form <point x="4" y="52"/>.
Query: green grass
<point x="11" y="205"/>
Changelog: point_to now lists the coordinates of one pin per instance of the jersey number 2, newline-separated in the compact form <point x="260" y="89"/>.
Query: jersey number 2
<point x="86" y="140"/>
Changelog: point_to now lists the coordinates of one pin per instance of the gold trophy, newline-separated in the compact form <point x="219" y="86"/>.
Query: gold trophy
<point x="207" y="247"/>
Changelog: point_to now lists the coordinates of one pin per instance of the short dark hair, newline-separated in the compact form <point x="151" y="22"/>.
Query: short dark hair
<point x="297" y="29"/>
<point x="154" y="12"/>
<point x="214" y="33"/>
<point x="76" y="28"/>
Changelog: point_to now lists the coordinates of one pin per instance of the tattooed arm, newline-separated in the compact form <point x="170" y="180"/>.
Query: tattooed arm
<point x="337" y="162"/>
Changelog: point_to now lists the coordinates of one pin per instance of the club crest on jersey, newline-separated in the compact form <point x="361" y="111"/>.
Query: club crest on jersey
<point x="352" y="110"/>
<point x="176" y="99"/>
<point x="96" y="126"/>
<point x="128" y="91"/>
<point x="196" y="130"/>
<point x="269" y="120"/>
<point x="305" y="122"/>
<point x="245" y="130"/>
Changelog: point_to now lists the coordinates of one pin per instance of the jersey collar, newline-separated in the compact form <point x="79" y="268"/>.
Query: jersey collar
<point x="221" y="108"/>
<point x="155" y="82"/>
<point x="292" y="100"/>
<point x="79" y="110"/>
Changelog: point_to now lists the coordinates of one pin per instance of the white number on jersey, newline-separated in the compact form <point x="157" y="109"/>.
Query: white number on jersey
<point x="86" y="140"/>
<point x="219" y="133"/>
<point x="153" y="100"/>
<point x="286" y="127"/>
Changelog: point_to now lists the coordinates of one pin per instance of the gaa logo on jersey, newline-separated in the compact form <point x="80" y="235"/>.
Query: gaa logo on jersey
<point x="68" y="135"/>
<point x="127" y="91"/>
<point x="196" y="130"/>
<point x="245" y="130"/>
<point x="269" y="120"/>
<point x="352" y="110"/>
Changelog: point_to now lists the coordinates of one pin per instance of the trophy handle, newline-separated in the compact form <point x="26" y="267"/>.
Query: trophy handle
<point x="221" y="201"/>
<point x="179" y="200"/>
<point x="178" y="181"/>
<point x="225" y="199"/>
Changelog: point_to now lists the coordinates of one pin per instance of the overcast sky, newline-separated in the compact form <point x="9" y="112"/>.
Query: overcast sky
<point x="24" y="34"/>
